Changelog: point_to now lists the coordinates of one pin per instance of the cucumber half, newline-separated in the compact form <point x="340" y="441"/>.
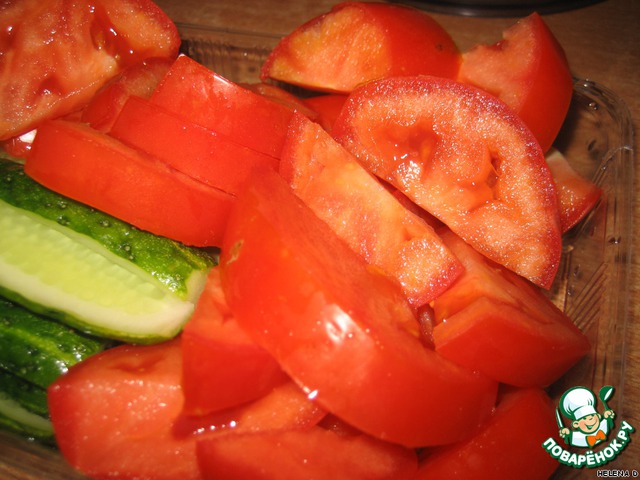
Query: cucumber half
<point x="74" y="275"/>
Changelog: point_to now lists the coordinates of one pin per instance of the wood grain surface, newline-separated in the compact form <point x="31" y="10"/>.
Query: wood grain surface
<point x="602" y="42"/>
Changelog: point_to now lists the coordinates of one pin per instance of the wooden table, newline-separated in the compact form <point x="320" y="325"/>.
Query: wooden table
<point x="602" y="43"/>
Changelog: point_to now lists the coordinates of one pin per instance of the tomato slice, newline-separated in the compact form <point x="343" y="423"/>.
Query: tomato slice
<point x="327" y="108"/>
<point x="282" y="96"/>
<point x="116" y="411"/>
<point x="496" y="322"/>
<point x="139" y="80"/>
<point x="365" y="214"/>
<point x="314" y="454"/>
<point x="57" y="54"/>
<point x="210" y="100"/>
<point x="222" y="366"/>
<point x="339" y="328"/>
<point x="357" y="42"/>
<point x="577" y="196"/>
<point x="89" y="166"/>
<point x="528" y="70"/>
<point x="205" y="155"/>
<point x="509" y="446"/>
<point x="467" y="159"/>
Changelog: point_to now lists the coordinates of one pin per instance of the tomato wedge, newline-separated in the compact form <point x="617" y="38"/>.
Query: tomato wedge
<point x="327" y="108"/>
<point x="509" y="445"/>
<point x="528" y="70"/>
<point x="365" y="214"/>
<point x="339" y="328"/>
<point x="496" y="322"/>
<point x="222" y="366"/>
<point x="89" y="166"/>
<point x="57" y="54"/>
<point x="357" y="42"/>
<point x="462" y="155"/>
<point x="314" y="454"/>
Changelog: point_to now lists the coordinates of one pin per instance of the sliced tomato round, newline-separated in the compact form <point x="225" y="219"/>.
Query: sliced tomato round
<point x="57" y="54"/>
<point x="357" y="42"/>
<point x="222" y="366"/>
<point x="509" y="445"/>
<point x="91" y="167"/>
<point x="339" y="328"/>
<point x="465" y="157"/>
<point x="528" y="70"/>
<point x="313" y="454"/>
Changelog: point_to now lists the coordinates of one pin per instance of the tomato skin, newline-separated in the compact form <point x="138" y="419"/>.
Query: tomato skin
<point x="496" y="322"/>
<point x="340" y="329"/>
<point x="365" y="214"/>
<point x="127" y="183"/>
<point x="205" y="155"/>
<point x="114" y="414"/>
<point x="577" y="196"/>
<point x="140" y="80"/>
<point x="509" y="445"/>
<point x="314" y="454"/>
<point x="282" y="96"/>
<point x="57" y="54"/>
<point x="357" y="42"/>
<point x="463" y="156"/>
<point x="528" y="70"/>
<point x="222" y="366"/>
<point x="210" y="100"/>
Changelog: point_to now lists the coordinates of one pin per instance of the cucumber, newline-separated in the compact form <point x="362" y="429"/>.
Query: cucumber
<point x="23" y="408"/>
<point x="38" y="349"/>
<point x="66" y="260"/>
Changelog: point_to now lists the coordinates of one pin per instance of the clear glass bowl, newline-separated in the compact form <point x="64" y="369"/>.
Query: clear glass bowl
<point x="593" y="282"/>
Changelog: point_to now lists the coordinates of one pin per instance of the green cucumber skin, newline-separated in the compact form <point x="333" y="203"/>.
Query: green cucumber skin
<point x="29" y="396"/>
<point x="170" y="262"/>
<point x="38" y="349"/>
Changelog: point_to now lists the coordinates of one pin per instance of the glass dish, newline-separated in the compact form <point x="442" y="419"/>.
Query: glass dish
<point x="593" y="282"/>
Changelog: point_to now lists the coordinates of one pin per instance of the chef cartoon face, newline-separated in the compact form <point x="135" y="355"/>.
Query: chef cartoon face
<point x="578" y="404"/>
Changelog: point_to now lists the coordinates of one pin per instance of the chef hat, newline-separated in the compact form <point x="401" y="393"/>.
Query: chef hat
<point x="578" y="402"/>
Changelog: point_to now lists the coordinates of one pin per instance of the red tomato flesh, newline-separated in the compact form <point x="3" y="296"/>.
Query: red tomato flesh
<point x="57" y="54"/>
<point x="139" y="80"/>
<point x="114" y="415"/>
<point x="204" y="97"/>
<point x="365" y="214"/>
<point x="222" y="366"/>
<point x="528" y="70"/>
<point x="357" y="42"/>
<point x="496" y="322"/>
<point x="509" y="445"/>
<point x="205" y="155"/>
<point x="91" y="167"/>
<point x="577" y="196"/>
<point x="315" y="454"/>
<point x="467" y="159"/>
<point x="339" y="328"/>
<point x="327" y="108"/>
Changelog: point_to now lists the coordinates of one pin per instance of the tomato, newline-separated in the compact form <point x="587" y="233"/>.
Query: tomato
<point x="509" y="446"/>
<point x="499" y="324"/>
<point x="314" y="454"/>
<point x="205" y="155"/>
<point x="467" y="159"/>
<point x="365" y="214"/>
<point x="339" y="328"/>
<point x="140" y="80"/>
<point x="57" y="54"/>
<point x="222" y="367"/>
<point x="113" y="415"/>
<point x="91" y="167"/>
<point x="577" y="196"/>
<point x="327" y="108"/>
<point x="210" y="100"/>
<point x="282" y="96"/>
<point x="357" y="42"/>
<point x="528" y="70"/>
<point x="285" y="407"/>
